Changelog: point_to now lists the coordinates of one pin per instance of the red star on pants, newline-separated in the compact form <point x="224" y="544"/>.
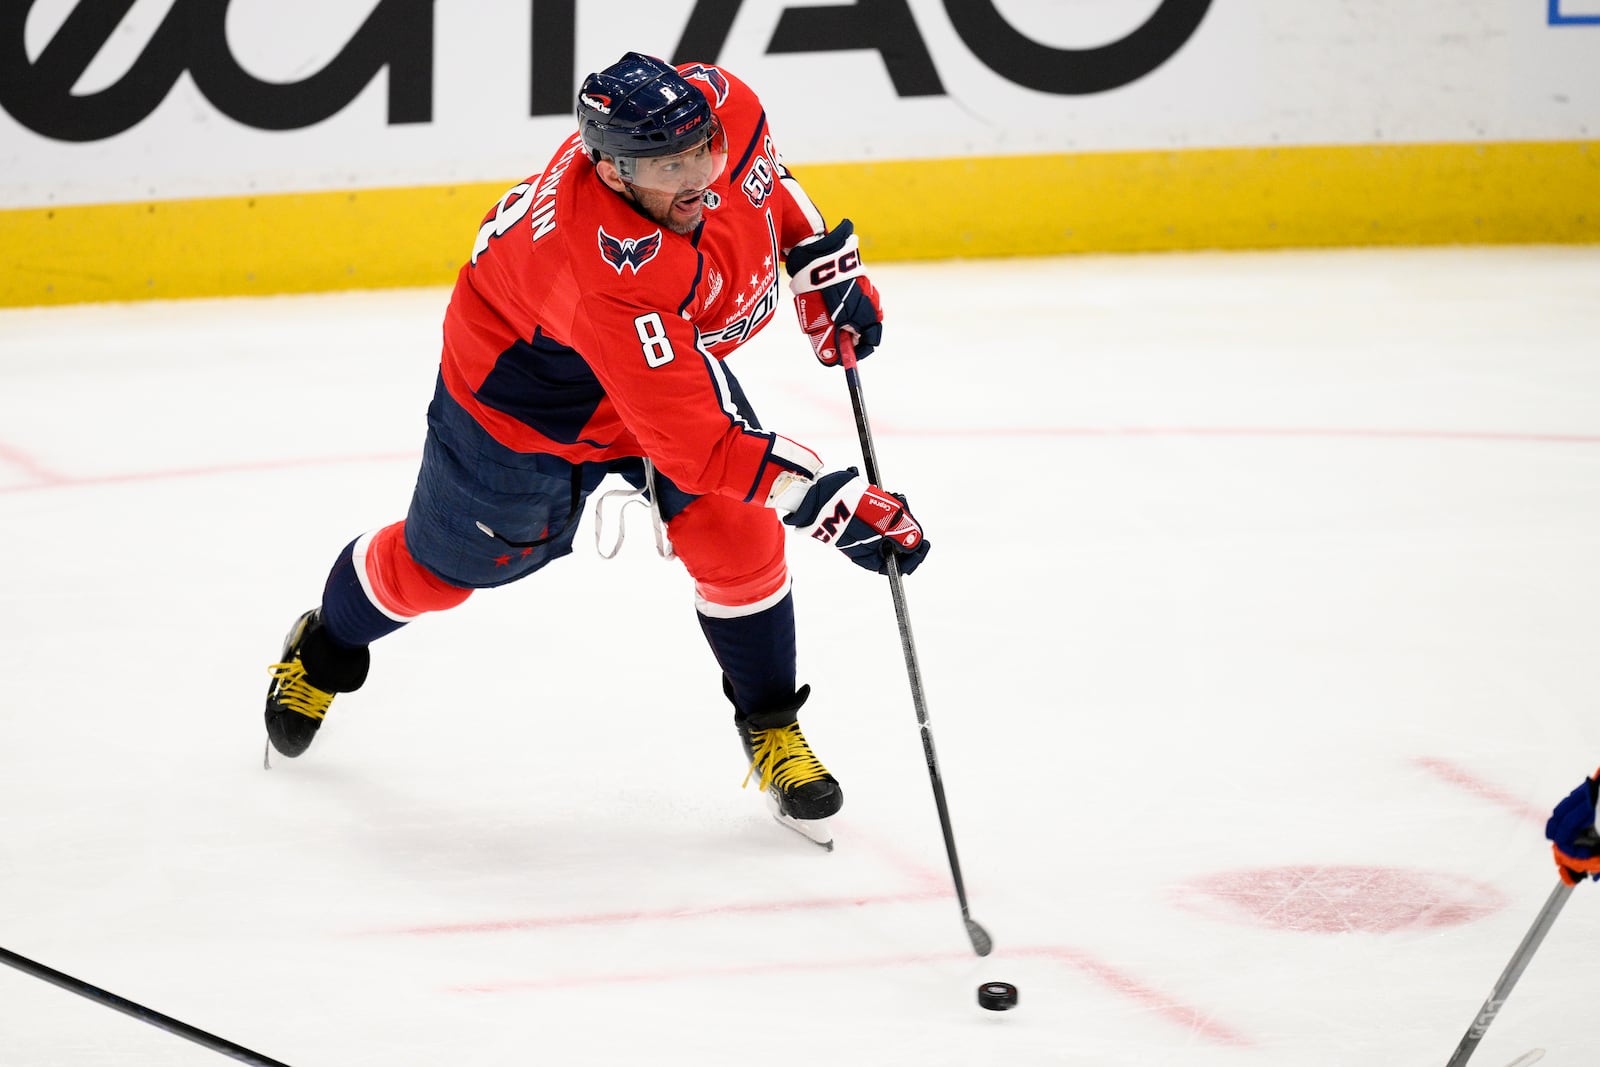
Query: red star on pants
<point x="501" y="561"/>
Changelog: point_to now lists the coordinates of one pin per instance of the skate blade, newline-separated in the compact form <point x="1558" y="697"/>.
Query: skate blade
<point x="271" y="758"/>
<point x="814" y="830"/>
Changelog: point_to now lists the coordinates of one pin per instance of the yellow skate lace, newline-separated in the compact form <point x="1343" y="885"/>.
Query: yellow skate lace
<point x="784" y="759"/>
<point x="297" y="694"/>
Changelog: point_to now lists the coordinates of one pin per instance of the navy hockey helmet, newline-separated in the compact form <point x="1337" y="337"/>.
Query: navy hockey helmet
<point x="641" y="106"/>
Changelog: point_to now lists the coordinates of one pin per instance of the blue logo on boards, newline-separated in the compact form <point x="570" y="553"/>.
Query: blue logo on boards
<point x="1574" y="13"/>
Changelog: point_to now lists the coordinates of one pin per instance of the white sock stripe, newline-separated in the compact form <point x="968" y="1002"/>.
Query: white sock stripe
<point x="739" y="611"/>
<point x="359" y="556"/>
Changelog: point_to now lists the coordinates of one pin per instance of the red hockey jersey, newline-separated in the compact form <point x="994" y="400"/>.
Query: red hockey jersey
<point x="583" y="329"/>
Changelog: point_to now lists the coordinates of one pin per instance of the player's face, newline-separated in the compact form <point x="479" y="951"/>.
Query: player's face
<point x="671" y="189"/>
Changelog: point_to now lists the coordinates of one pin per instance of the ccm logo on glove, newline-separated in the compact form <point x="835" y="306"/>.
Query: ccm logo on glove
<point x="879" y="510"/>
<point x="832" y="292"/>
<point x="844" y="266"/>
<point x="867" y="524"/>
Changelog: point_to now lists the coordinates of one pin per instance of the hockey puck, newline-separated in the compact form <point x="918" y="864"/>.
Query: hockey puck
<point x="997" y="996"/>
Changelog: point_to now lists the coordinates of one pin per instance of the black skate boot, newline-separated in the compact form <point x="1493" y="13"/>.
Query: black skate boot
<point x="304" y="683"/>
<point x="799" y="789"/>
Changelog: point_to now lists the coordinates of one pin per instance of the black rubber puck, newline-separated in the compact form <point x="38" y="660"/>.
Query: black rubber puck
<point x="997" y="996"/>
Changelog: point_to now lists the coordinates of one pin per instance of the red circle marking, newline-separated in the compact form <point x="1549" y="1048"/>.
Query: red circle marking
<point x="1336" y="900"/>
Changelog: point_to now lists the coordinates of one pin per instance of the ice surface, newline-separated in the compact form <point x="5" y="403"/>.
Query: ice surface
<point x="1259" y="635"/>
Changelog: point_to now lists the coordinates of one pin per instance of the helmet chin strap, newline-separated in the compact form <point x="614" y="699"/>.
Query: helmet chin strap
<point x="627" y="191"/>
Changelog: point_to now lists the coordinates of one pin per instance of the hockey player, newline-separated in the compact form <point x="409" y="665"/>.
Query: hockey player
<point x="1571" y="830"/>
<point x="585" y="336"/>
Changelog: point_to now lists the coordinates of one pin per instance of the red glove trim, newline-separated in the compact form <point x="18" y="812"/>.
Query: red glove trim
<point x="885" y="514"/>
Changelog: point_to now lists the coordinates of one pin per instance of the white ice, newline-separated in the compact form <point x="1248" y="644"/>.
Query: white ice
<point x="1259" y="636"/>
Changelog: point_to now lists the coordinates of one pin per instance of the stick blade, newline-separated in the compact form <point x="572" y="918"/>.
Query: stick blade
<point x="982" y="943"/>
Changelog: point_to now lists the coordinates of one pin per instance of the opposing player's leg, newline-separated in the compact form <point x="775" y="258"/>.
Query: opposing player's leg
<point x="481" y="516"/>
<point x="735" y="552"/>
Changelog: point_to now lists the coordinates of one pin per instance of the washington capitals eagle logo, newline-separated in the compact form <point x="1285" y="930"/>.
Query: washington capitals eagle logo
<point x="713" y="77"/>
<point x="632" y="252"/>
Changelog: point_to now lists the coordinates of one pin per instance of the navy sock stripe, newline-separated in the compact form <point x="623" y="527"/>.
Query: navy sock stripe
<point x="757" y="655"/>
<point x="350" y="617"/>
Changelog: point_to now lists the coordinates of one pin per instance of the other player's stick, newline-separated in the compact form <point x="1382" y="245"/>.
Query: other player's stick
<point x="1508" y="978"/>
<point x="981" y="942"/>
<point x="138" y="1011"/>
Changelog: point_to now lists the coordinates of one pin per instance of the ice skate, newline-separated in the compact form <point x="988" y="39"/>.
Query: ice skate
<point x="313" y="669"/>
<point x="800" y="792"/>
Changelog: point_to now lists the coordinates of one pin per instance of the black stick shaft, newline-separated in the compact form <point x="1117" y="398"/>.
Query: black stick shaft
<point x="138" y="1011"/>
<point x="981" y="942"/>
<point x="1508" y="977"/>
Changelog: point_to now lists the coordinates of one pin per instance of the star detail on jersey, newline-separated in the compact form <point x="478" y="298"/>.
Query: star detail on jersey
<point x="632" y="252"/>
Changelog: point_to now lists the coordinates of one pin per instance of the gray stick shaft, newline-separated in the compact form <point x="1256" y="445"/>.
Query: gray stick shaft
<point x="981" y="942"/>
<point x="1508" y="978"/>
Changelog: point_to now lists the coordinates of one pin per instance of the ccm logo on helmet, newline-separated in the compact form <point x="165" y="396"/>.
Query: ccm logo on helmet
<point x="844" y="266"/>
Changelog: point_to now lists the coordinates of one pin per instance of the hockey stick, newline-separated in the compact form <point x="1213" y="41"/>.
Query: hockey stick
<point x="138" y="1011"/>
<point x="981" y="942"/>
<point x="1508" y="978"/>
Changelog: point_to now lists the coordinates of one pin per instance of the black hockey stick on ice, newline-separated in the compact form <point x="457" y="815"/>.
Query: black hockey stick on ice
<point x="981" y="942"/>
<point x="138" y="1011"/>
<point x="1508" y="978"/>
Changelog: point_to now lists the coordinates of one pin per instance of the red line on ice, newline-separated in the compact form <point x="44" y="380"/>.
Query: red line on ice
<point x="1190" y="1018"/>
<point x="32" y="467"/>
<point x="1249" y="431"/>
<point x="51" y="480"/>
<point x="612" y="918"/>
<point x="887" y="849"/>
<point x="1183" y="1015"/>
<point x="1457" y="775"/>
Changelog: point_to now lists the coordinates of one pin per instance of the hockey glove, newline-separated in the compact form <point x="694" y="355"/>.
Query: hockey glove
<point x="1571" y="828"/>
<point x="832" y="293"/>
<point x="846" y="511"/>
